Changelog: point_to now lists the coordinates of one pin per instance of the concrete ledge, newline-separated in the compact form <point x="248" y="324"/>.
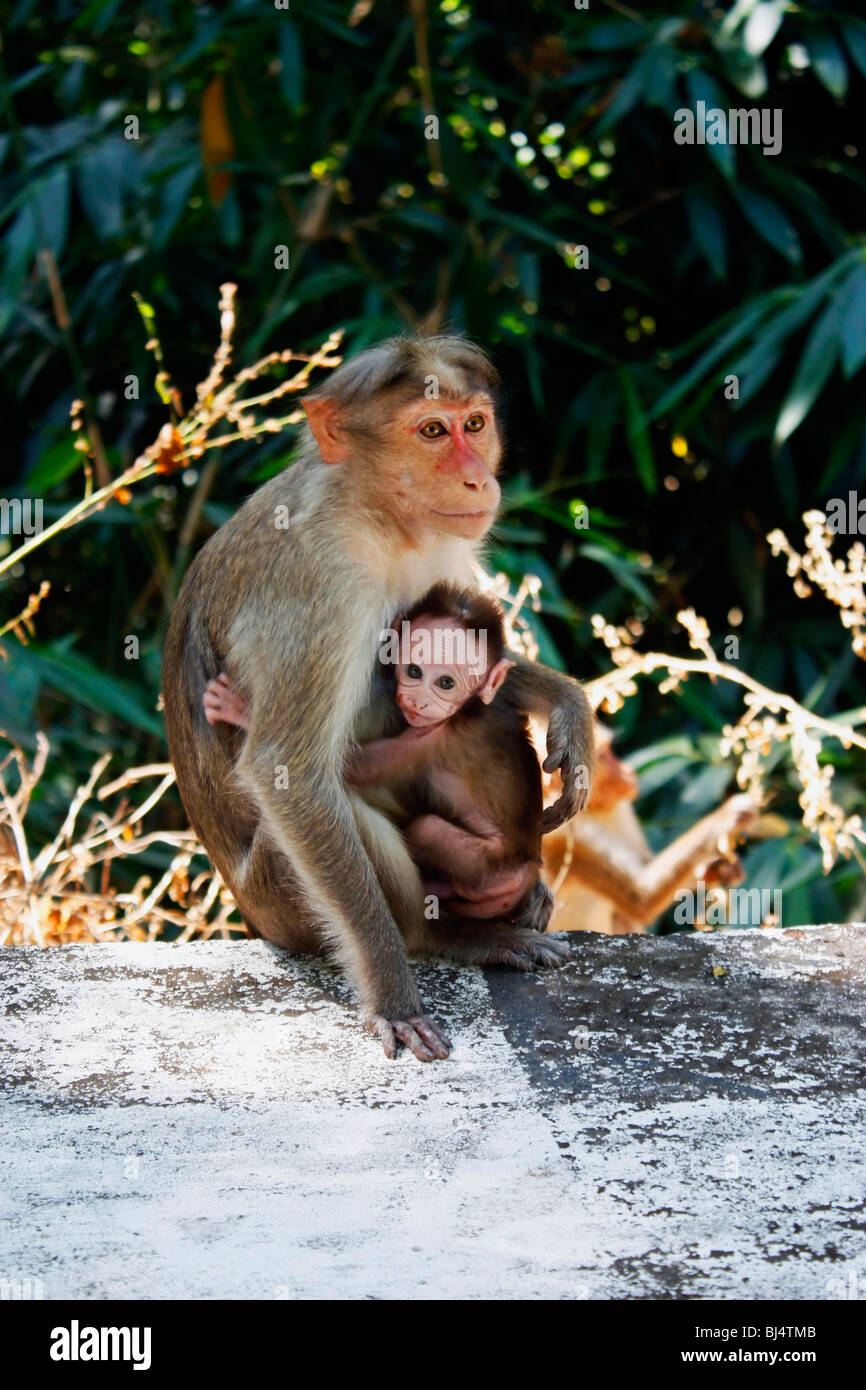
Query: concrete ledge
<point x="675" y="1117"/>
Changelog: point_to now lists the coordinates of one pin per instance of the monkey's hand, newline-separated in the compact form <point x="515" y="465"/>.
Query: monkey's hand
<point x="567" y="750"/>
<point x="736" y="816"/>
<point x="224" y="703"/>
<point x="538" y="911"/>
<point x="722" y="873"/>
<point x="420" y="1034"/>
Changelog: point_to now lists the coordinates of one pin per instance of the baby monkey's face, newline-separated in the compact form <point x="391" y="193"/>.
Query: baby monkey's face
<point x="429" y="692"/>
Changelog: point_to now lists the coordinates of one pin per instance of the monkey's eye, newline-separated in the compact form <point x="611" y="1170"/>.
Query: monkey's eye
<point x="414" y="672"/>
<point x="434" y="429"/>
<point x="445" y="682"/>
<point x="474" y="424"/>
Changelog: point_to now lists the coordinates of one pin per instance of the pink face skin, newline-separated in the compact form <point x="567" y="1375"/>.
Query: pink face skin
<point x="457" y="436"/>
<point x="428" y="696"/>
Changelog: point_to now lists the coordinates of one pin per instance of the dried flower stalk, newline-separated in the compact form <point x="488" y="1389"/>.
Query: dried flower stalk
<point x="65" y="893"/>
<point x="22" y="625"/>
<point x="760" y="728"/>
<point x="186" y="438"/>
<point x="843" y="581"/>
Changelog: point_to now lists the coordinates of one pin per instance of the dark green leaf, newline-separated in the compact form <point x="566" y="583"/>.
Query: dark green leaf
<point x="637" y="433"/>
<point x="762" y="364"/>
<point x="175" y="195"/>
<point x="661" y="773"/>
<point x="702" y="87"/>
<point x="617" y="33"/>
<point x="853" y="294"/>
<point x="742" y="325"/>
<point x="337" y="27"/>
<point x="828" y="62"/>
<point x="660" y="77"/>
<point x="855" y="37"/>
<point x="78" y="680"/>
<point x="58" y="461"/>
<point x="706" y="789"/>
<point x="707" y="229"/>
<point x="291" y="62"/>
<point x="625" y="572"/>
<point x="787" y="319"/>
<point x="102" y="174"/>
<point x="533" y="230"/>
<point x="43" y="221"/>
<point x="27" y="79"/>
<point x="629" y="91"/>
<point x="771" y="223"/>
<point x="816" y="364"/>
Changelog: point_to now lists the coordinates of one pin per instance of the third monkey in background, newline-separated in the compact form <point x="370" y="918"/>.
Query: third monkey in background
<point x="461" y="777"/>
<point x="614" y="883"/>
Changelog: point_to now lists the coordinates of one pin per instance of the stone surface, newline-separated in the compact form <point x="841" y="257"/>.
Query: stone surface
<point x="663" y="1117"/>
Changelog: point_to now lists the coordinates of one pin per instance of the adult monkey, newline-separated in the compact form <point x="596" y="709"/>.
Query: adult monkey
<point x="392" y="493"/>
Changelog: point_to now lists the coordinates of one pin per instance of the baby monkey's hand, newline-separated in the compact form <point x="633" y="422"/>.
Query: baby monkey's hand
<point x="223" y="703"/>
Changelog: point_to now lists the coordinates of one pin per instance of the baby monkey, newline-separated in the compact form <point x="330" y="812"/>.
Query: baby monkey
<point x="462" y="775"/>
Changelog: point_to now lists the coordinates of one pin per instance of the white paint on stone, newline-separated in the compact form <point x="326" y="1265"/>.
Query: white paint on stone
<point x="210" y="1121"/>
<point x="277" y="1151"/>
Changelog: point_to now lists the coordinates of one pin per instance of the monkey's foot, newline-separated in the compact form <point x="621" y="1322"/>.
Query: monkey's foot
<point x="420" y="1034"/>
<point x="513" y="946"/>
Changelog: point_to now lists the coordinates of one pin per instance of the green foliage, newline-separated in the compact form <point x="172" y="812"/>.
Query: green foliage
<point x="261" y="127"/>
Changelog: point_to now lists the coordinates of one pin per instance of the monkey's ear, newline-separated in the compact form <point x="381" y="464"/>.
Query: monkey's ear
<point x="323" y="417"/>
<point x="494" y="678"/>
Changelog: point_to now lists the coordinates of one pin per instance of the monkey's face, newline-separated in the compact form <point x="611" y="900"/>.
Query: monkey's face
<point x="430" y="691"/>
<point x="449" y="455"/>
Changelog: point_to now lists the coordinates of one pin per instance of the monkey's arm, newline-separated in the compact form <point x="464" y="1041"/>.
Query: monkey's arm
<point x="380" y="761"/>
<point x="387" y="760"/>
<point x="643" y="890"/>
<point x="535" y="689"/>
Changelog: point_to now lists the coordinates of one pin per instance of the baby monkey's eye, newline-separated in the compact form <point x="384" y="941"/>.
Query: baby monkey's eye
<point x="445" y="682"/>
<point x="434" y="429"/>
<point x="474" y="424"/>
<point x="414" y="672"/>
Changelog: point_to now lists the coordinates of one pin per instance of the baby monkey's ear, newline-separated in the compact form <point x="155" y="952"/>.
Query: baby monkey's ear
<point x="494" y="678"/>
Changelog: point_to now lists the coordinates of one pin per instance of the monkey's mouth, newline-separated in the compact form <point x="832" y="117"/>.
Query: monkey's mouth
<point x="466" y="516"/>
<point x="419" y="719"/>
<point x="416" y="718"/>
